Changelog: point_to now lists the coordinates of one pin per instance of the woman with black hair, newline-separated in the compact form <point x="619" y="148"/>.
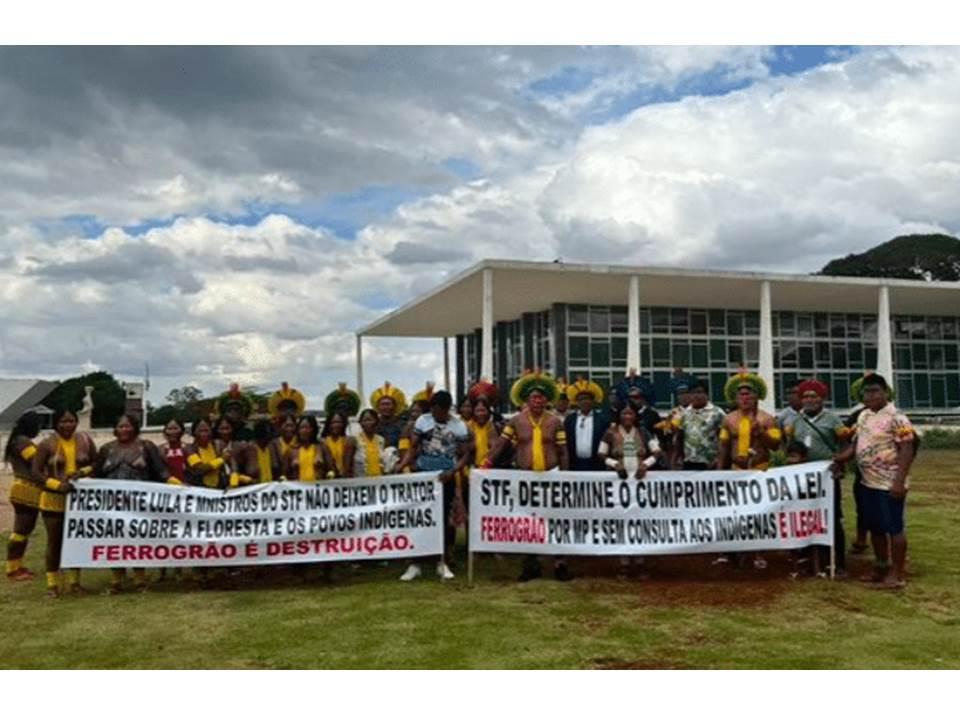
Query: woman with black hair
<point x="309" y="461"/>
<point x="235" y="451"/>
<point x="129" y="457"/>
<point x="205" y="456"/>
<point x="286" y="440"/>
<point x="340" y="447"/>
<point x="263" y="458"/>
<point x="173" y="452"/>
<point x="24" y="493"/>
<point x="372" y="458"/>
<point x="61" y="458"/>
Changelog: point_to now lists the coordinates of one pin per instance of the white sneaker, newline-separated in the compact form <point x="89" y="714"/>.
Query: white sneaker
<point x="443" y="572"/>
<point x="412" y="572"/>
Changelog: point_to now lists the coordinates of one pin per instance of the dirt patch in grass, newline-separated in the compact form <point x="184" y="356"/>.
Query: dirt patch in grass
<point x="690" y="581"/>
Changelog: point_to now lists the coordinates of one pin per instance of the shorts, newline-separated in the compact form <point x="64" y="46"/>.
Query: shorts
<point x="882" y="513"/>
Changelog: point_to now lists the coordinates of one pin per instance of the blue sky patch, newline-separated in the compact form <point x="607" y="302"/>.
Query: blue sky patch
<point x="570" y="79"/>
<point x="794" y="59"/>
<point x="86" y="226"/>
<point x="462" y="168"/>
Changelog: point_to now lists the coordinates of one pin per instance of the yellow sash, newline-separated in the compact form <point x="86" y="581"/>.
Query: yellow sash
<point x="264" y="464"/>
<point x="743" y="436"/>
<point x="482" y="436"/>
<point x="69" y="450"/>
<point x="336" y="447"/>
<point x="539" y="456"/>
<point x="372" y="453"/>
<point x="306" y="456"/>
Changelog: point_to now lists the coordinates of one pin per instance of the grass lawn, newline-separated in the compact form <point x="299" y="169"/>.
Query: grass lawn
<point x="688" y="614"/>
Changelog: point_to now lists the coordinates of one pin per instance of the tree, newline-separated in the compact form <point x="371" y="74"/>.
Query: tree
<point x="185" y="404"/>
<point x="109" y="398"/>
<point x="913" y="257"/>
<point x="182" y="398"/>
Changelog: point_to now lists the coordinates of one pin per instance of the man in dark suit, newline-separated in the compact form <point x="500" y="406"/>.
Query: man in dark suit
<point x="585" y="427"/>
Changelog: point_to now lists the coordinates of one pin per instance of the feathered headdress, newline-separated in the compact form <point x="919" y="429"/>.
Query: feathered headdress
<point x="343" y="399"/>
<point x="425" y="394"/>
<point x="234" y="397"/>
<point x="582" y="385"/>
<point x="741" y="379"/>
<point x="856" y="388"/>
<point x="286" y="400"/>
<point x="530" y="382"/>
<point x="389" y="391"/>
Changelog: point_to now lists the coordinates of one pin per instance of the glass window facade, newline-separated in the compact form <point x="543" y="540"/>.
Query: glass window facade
<point x="591" y="341"/>
<point x="926" y="361"/>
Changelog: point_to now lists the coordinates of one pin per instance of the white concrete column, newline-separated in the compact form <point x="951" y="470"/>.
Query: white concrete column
<point x="363" y="397"/>
<point x="765" y="369"/>
<point x="884" y="341"/>
<point x="633" y="325"/>
<point x="446" y="364"/>
<point x="486" y="339"/>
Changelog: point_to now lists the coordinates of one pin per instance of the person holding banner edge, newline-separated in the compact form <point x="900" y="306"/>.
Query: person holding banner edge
<point x="65" y="456"/>
<point x="540" y="444"/>
<point x="129" y="458"/>
<point x="824" y="435"/>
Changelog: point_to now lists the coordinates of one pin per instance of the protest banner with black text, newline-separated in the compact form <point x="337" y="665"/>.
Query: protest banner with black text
<point x="126" y="523"/>
<point x="665" y="513"/>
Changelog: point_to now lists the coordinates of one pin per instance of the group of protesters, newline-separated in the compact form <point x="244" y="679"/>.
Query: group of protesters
<point x="556" y="426"/>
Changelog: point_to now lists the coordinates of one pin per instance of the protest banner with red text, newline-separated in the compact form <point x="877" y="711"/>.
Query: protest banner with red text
<point x="126" y="523"/>
<point x="665" y="513"/>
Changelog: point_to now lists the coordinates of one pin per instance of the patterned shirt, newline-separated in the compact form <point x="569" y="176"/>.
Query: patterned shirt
<point x="879" y="435"/>
<point x="439" y="442"/>
<point x="701" y="433"/>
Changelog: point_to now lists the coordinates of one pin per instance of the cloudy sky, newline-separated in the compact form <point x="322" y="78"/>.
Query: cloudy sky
<point x="235" y="214"/>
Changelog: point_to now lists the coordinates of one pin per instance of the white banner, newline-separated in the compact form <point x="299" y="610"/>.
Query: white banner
<point x="125" y="523"/>
<point x="666" y="513"/>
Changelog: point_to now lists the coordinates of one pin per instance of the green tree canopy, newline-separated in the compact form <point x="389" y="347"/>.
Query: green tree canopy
<point x="109" y="399"/>
<point x="913" y="257"/>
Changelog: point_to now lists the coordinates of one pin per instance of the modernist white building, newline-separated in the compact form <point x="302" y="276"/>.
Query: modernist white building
<point x="597" y="321"/>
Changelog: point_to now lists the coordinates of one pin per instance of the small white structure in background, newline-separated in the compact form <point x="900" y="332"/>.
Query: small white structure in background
<point x="136" y="395"/>
<point x="85" y="414"/>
